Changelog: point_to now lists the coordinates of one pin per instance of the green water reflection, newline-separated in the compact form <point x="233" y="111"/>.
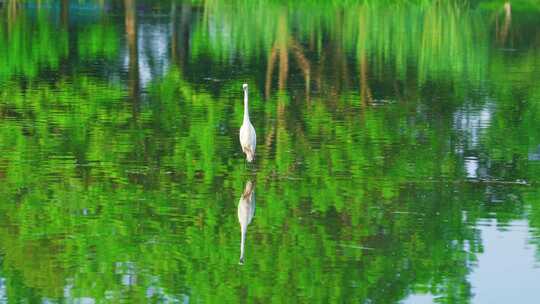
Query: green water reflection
<point x="388" y="134"/>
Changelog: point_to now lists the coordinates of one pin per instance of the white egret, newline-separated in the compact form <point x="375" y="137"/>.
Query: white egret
<point x="246" y="211"/>
<point x="248" y="138"/>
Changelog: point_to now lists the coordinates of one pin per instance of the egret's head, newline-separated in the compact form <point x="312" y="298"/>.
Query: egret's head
<point x="244" y="86"/>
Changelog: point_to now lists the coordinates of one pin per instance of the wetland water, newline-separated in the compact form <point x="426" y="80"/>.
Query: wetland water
<point x="398" y="152"/>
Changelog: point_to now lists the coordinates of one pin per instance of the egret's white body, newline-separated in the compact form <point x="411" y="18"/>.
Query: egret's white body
<point x="248" y="138"/>
<point x="246" y="211"/>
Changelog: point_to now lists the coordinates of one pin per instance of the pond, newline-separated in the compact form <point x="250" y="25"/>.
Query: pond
<point x="397" y="159"/>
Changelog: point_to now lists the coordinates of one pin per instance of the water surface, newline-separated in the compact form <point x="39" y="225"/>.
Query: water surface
<point x="398" y="151"/>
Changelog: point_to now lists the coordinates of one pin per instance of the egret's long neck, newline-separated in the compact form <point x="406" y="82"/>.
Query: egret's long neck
<point x="246" y="110"/>
<point x="242" y="242"/>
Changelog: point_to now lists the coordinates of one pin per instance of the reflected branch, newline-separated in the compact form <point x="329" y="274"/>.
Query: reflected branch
<point x="507" y="22"/>
<point x="305" y="66"/>
<point x="365" y="91"/>
<point x="133" y="68"/>
<point x="270" y="70"/>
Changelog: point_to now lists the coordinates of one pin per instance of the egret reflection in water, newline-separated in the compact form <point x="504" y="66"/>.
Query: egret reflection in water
<point x="246" y="211"/>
